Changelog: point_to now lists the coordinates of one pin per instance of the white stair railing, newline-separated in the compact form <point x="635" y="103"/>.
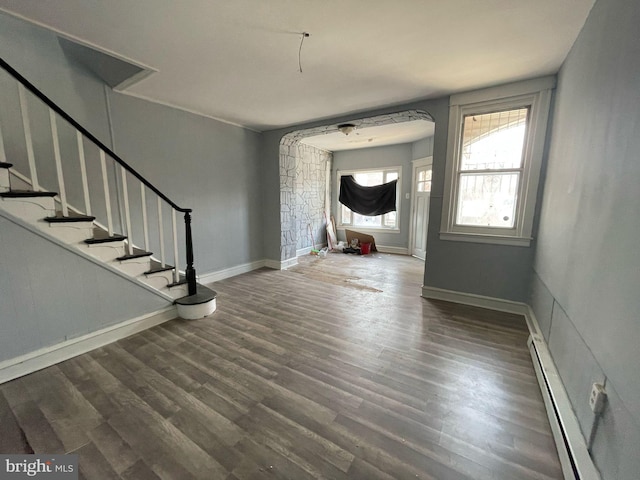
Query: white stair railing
<point x="107" y="160"/>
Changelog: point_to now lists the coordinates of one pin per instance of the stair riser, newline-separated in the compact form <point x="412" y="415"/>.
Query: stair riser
<point x="4" y="180"/>
<point x="196" y="312"/>
<point x="176" y="292"/>
<point x="158" y="280"/>
<point x="70" y="233"/>
<point x="106" y="252"/>
<point x="32" y="210"/>
<point x="134" y="267"/>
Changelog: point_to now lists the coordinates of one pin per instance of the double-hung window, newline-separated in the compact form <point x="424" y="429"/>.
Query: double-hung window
<point x="370" y="178"/>
<point x="496" y="140"/>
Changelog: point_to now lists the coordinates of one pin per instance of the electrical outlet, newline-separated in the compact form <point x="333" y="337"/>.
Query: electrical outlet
<point x="597" y="398"/>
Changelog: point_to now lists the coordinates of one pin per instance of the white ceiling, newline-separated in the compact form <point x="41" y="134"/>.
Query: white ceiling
<point x="392" y="134"/>
<point x="238" y="60"/>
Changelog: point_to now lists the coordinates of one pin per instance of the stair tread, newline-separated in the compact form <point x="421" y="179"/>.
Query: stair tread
<point x="6" y="165"/>
<point x="72" y="217"/>
<point x="136" y="254"/>
<point x="26" y="194"/>
<point x="158" y="269"/>
<point x="104" y="239"/>
<point x="182" y="281"/>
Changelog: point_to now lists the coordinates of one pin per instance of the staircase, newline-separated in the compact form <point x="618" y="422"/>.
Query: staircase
<point x="23" y="197"/>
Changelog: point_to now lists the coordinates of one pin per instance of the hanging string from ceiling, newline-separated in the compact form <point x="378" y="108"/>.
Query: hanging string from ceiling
<point x="304" y="35"/>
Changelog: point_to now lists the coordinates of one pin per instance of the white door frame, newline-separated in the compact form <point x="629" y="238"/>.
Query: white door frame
<point x="417" y="163"/>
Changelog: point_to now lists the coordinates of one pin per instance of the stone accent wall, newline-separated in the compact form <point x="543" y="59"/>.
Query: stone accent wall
<point x="310" y="200"/>
<point x="288" y="155"/>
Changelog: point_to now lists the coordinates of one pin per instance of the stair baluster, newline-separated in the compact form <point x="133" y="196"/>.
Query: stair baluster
<point x="127" y="212"/>
<point x="107" y="195"/>
<point x="62" y="192"/>
<point x="145" y="223"/>
<point x="163" y="260"/>
<point x="83" y="173"/>
<point x="26" y="125"/>
<point x="176" y="273"/>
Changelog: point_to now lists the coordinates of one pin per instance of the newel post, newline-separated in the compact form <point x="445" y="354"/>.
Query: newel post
<point x="190" y="272"/>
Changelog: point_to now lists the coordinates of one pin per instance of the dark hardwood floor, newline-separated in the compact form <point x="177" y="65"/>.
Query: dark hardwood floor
<point x="335" y="368"/>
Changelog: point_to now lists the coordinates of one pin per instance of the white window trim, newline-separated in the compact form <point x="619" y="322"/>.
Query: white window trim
<point x="535" y="94"/>
<point x="396" y="229"/>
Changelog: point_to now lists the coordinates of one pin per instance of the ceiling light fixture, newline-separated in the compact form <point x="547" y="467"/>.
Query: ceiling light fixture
<point x="347" y="128"/>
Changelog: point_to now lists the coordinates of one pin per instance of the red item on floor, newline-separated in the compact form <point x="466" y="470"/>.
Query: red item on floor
<point x="365" y="248"/>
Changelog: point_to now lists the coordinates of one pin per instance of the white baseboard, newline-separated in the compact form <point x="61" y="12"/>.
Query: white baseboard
<point x="395" y="250"/>
<point x="45" y="357"/>
<point x="474" y="300"/>
<point x="281" y="265"/>
<point x="307" y="250"/>
<point x="230" y="272"/>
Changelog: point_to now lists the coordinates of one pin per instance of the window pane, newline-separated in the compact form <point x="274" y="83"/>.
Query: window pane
<point x="424" y="186"/>
<point x="362" y="221"/>
<point x="345" y="215"/>
<point x="487" y="200"/>
<point x="493" y="140"/>
<point x="369" y="179"/>
<point x="390" y="219"/>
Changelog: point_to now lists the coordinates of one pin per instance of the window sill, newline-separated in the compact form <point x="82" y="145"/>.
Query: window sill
<point x="368" y="229"/>
<point x="493" y="239"/>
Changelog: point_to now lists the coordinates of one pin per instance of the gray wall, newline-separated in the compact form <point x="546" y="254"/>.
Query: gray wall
<point x="492" y="270"/>
<point x="200" y="163"/>
<point x="38" y="56"/>
<point x="587" y="266"/>
<point x="422" y="148"/>
<point x="49" y="294"/>
<point x="387" y="156"/>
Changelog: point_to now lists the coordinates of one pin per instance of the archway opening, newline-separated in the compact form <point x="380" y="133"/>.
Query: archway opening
<point x="305" y="186"/>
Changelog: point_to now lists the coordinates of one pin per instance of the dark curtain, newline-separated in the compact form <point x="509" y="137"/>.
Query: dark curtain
<point x="369" y="201"/>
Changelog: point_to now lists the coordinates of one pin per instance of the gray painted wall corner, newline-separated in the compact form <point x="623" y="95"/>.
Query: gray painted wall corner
<point x="586" y="261"/>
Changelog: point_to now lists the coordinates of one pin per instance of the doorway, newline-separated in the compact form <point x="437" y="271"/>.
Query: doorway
<point x="420" y="195"/>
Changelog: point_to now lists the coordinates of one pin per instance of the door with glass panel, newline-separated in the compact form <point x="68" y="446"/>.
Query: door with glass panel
<point x="420" y="208"/>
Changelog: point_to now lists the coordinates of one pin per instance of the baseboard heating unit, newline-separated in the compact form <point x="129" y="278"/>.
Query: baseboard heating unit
<point x="572" y="449"/>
